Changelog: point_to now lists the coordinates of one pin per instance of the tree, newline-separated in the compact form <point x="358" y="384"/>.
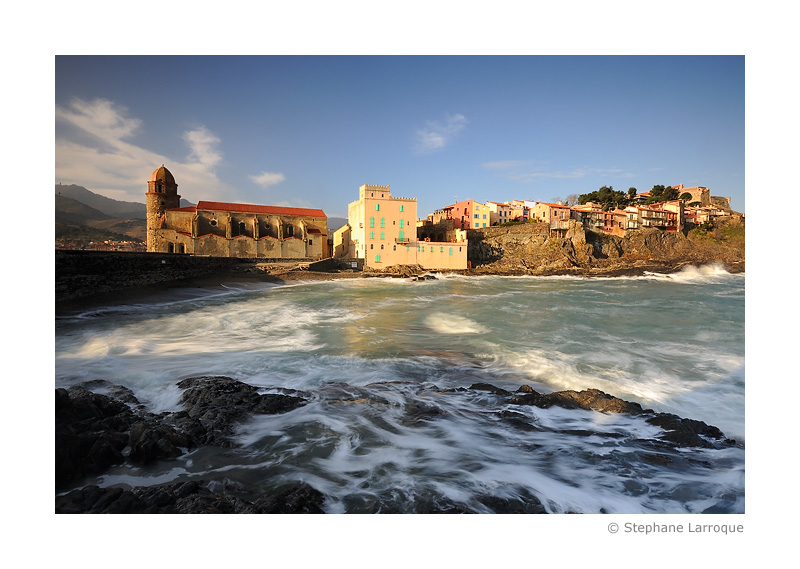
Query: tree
<point x="607" y="197"/>
<point x="685" y="196"/>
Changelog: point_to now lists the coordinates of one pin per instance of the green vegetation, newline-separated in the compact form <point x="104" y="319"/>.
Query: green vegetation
<point x="729" y="233"/>
<point x="662" y="194"/>
<point x="609" y="198"/>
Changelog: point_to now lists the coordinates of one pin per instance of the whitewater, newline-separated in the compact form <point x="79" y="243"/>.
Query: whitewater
<point x="385" y="363"/>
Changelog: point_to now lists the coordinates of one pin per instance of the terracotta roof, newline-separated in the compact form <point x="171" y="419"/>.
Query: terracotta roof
<point x="269" y="209"/>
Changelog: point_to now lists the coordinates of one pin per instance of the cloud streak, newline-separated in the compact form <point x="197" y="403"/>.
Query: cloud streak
<point x="435" y="135"/>
<point x="267" y="179"/>
<point x="94" y="148"/>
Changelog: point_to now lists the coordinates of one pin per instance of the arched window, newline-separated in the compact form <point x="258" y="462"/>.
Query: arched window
<point x="290" y="231"/>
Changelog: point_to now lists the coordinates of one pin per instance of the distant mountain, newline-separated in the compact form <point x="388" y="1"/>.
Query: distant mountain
<point x="335" y="223"/>
<point x="111" y="207"/>
<point x="70" y="211"/>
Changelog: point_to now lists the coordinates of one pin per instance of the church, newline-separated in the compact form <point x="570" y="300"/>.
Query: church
<point x="220" y="229"/>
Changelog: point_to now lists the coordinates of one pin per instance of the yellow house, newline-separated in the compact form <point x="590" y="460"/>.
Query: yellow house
<point x="382" y="230"/>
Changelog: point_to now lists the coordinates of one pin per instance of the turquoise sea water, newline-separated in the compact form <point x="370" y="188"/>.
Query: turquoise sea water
<point x="371" y="353"/>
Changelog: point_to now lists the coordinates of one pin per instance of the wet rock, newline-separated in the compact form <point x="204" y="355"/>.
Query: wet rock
<point x="590" y="399"/>
<point x="91" y="432"/>
<point x="216" y="404"/>
<point x="193" y="497"/>
<point x="490" y="388"/>
<point x="686" y="432"/>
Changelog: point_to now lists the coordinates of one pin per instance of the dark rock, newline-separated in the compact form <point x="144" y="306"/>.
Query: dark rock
<point x="218" y="403"/>
<point x="90" y="433"/>
<point x="296" y="499"/>
<point x="686" y="432"/>
<point x="590" y="399"/>
<point x="188" y="498"/>
<point x="490" y="388"/>
<point x="150" y="442"/>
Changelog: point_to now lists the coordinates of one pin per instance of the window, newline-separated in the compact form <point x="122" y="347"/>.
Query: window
<point x="441" y="249"/>
<point x="381" y="246"/>
<point x="213" y="223"/>
<point x="377" y="207"/>
<point x="476" y="216"/>
<point x="401" y="235"/>
<point x="383" y="235"/>
<point x="377" y="258"/>
<point x="372" y="235"/>
<point x="371" y="245"/>
<point x="401" y="223"/>
<point x="401" y="208"/>
<point x="383" y="222"/>
<point x="309" y="242"/>
<point x="290" y="230"/>
<point x="484" y="216"/>
<point x="372" y="222"/>
<point x="451" y="250"/>
<point x="394" y="247"/>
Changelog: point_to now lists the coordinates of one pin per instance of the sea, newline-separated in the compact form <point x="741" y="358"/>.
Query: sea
<point x="391" y="424"/>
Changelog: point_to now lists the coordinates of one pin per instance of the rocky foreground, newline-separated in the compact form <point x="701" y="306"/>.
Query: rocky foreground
<point x="99" y="425"/>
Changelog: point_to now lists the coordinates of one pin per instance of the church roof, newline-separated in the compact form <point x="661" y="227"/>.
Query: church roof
<point x="267" y="209"/>
<point x="161" y="173"/>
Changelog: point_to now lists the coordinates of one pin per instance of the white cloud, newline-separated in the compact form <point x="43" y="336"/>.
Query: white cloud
<point x="437" y="134"/>
<point x="107" y="162"/>
<point x="203" y="146"/>
<point x="267" y="179"/>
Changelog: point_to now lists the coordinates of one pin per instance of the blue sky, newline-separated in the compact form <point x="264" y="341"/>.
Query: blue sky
<point x="306" y="131"/>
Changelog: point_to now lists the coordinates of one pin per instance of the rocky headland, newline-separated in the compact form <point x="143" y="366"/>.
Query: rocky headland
<point x="529" y="249"/>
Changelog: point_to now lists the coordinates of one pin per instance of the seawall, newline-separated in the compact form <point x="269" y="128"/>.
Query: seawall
<point x="102" y="274"/>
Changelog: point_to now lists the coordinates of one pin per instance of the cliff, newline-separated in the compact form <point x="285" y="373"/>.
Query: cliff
<point x="528" y="249"/>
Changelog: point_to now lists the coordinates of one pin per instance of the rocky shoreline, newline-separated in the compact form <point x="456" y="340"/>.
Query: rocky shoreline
<point x="99" y="425"/>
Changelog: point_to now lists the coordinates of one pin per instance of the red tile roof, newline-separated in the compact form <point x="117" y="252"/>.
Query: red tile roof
<point x="268" y="209"/>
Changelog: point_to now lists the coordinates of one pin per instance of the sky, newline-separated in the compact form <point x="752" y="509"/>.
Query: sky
<point x="307" y="131"/>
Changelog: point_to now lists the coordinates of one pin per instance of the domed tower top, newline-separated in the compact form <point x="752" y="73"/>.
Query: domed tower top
<point x="162" y="182"/>
<point x="161" y="173"/>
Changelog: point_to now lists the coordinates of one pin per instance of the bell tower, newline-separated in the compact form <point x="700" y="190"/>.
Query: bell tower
<point x="162" y="194"/>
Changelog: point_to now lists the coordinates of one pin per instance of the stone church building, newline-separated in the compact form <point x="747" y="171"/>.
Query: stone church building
<point x="221" y="229"/>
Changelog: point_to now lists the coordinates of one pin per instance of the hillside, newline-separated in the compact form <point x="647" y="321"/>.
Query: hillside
<point x="528" y="249"/>
<point x="79" y="221"/>
<point x="110" y="207"/>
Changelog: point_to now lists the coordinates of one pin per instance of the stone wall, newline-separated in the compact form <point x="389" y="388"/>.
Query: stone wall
<point x="81" y="274"/>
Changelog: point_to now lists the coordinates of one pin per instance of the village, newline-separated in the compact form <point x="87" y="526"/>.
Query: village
<point x="383" y="230"/>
